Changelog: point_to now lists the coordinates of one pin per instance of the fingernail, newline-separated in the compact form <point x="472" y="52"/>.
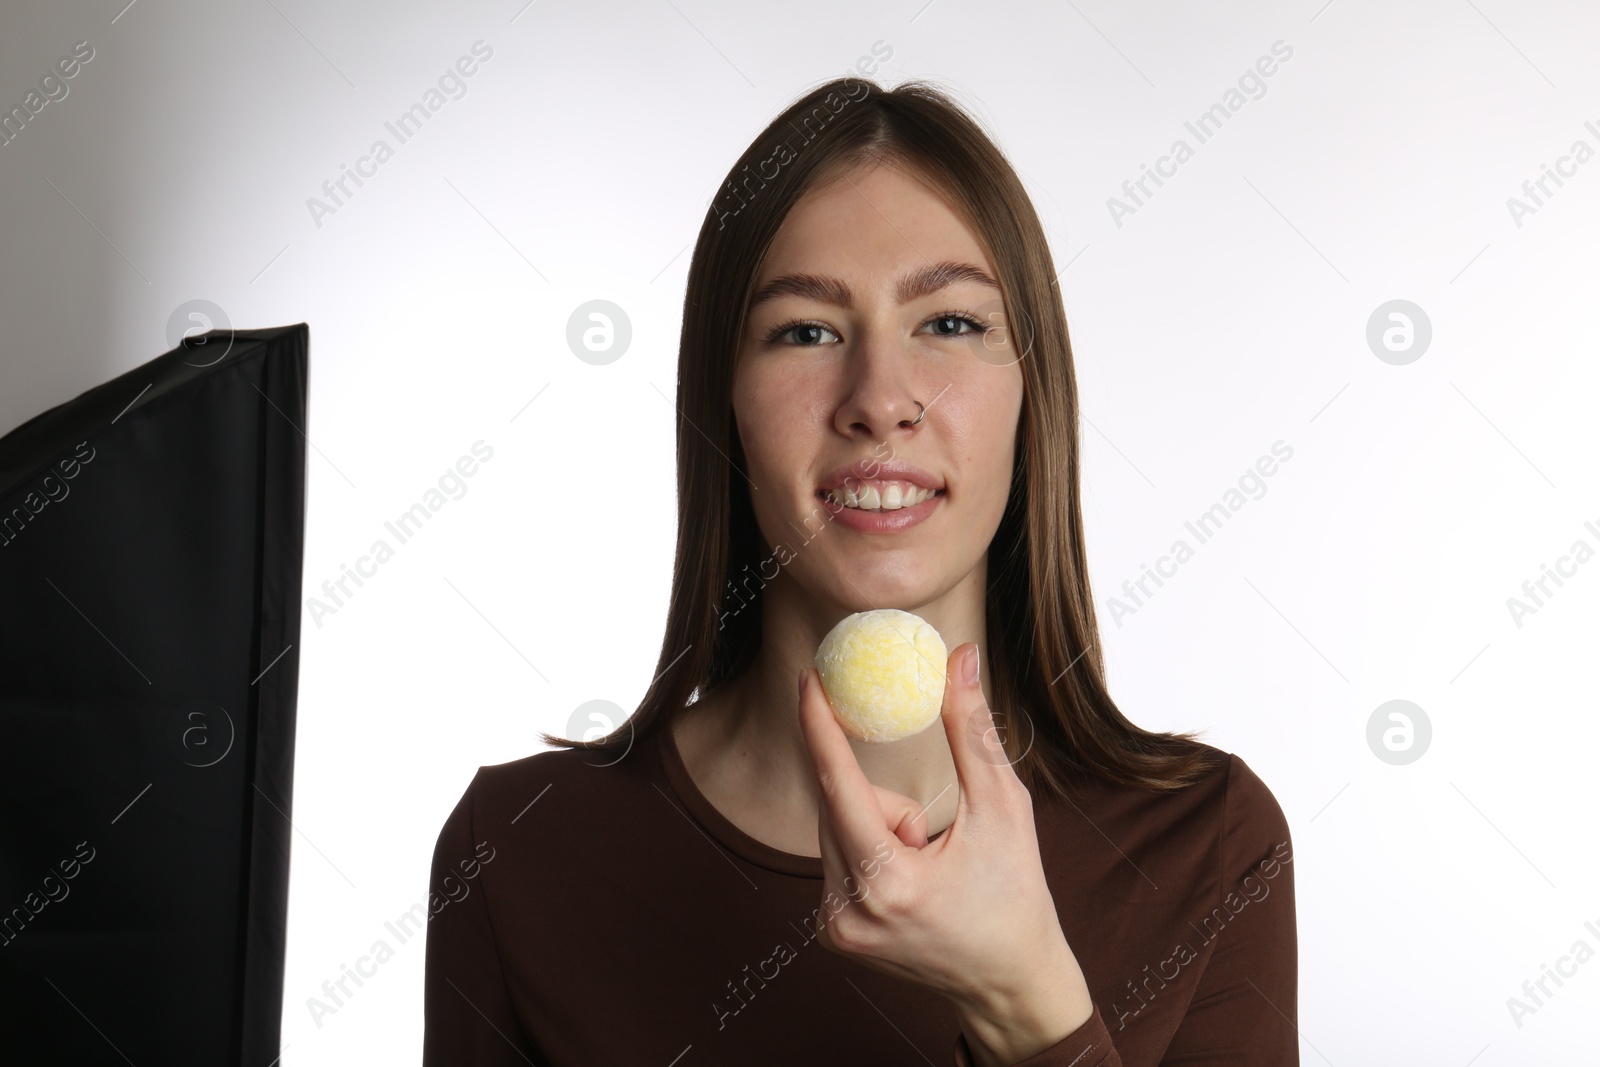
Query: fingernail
<point x="971" y="669"/>
<point x="802" y="681"/>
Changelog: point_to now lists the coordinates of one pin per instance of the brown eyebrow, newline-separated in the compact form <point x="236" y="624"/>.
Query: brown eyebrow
<point x="914" y="284"/>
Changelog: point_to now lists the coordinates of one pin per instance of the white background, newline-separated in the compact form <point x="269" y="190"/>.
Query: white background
<point x="1229" y="312"/>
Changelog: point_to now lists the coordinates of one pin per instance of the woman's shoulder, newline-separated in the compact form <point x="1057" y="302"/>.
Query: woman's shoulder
<point x="571" y="780"/>
<point x="1224" y="780"/>
<point x="1232" y="790"/>
<point x="1245" y="804"/>
<point x="1227" y="816"/>
<point x="1244" y="817"/>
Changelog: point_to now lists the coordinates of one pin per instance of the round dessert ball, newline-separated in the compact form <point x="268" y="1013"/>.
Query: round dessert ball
<point x="883" y="672"/>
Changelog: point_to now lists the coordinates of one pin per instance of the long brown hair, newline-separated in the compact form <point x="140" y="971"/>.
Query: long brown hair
<point x="1044" y="660"/>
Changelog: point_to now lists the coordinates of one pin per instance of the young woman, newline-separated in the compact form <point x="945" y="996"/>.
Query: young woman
<point x="877" y="409"/>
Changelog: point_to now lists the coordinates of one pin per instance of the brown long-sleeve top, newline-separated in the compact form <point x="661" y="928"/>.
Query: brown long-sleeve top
<point x="595" y="915"/>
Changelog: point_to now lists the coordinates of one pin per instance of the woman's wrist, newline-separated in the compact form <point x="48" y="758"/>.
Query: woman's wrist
<point x="1044" y="1003"/>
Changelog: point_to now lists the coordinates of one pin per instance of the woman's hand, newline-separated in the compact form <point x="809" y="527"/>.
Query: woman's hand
<point x="969" y="914"/>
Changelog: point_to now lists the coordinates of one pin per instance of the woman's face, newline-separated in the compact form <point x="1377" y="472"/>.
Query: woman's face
<point x="880" y="274"/>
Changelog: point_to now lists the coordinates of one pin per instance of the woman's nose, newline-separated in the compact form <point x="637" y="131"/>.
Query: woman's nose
<point x="881" y="393"/>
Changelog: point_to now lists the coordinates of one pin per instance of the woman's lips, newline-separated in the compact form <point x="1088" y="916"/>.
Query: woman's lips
<point x="880" y="521"/>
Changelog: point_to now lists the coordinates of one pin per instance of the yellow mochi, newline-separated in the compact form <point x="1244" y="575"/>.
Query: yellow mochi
<point x="883" y="672"/>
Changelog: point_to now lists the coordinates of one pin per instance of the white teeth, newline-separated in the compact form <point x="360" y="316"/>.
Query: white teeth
<point x="891" y="497"/>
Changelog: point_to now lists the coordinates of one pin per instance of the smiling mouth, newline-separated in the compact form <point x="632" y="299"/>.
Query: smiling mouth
<point x="879" y="496"/>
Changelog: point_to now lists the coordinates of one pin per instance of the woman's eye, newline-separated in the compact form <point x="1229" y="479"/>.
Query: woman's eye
<point x="806" y="334"/>
<point x="950" y="325"/>
<point x="802" y="334"/>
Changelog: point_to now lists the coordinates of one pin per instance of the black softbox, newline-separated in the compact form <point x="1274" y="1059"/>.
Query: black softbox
<point x="150" y="552"/>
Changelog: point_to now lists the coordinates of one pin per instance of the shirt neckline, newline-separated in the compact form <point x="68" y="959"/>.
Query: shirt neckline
<point x="719" y="826"/>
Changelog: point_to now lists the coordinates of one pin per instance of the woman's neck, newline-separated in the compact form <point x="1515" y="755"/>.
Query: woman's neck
<point x="742" y="743"/>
